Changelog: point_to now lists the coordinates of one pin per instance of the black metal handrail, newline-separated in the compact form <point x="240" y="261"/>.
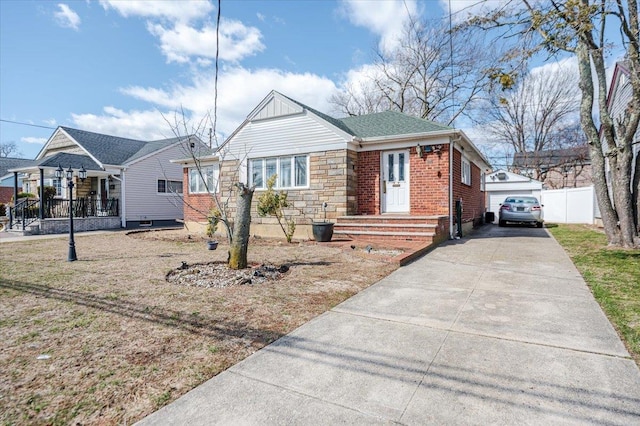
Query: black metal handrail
<point x="82" y="207"/>
<point x="25" y="211"/>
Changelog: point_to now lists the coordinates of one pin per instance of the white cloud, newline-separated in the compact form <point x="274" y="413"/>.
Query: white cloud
<point x="33" y="140"/>
<point x="261" y="17"/>
<point x="143" y="125"/>
<point x="66" y="17"/>
<point x="182" y="42"/>
<point x="51" y="122"/>
<point x="386" y="18"/>
<point x="236" y="99"/>
<point x="174" y="11"/>
<point x="566" y="65"/>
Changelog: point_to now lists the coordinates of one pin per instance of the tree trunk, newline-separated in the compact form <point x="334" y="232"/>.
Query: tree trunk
<point x="636" y="193"/>
<point x="240" y="244"/>
<point x="608" y="214"/>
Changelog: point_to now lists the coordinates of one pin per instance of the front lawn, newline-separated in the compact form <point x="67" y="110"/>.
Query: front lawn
<point x="108" y="340"/>
<point x="613" y="276"/>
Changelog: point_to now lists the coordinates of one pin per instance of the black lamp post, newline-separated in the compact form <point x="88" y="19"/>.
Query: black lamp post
<point x="82" y="174"/>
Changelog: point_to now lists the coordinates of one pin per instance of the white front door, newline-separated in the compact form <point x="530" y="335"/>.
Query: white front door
<point x="395" y="182"/>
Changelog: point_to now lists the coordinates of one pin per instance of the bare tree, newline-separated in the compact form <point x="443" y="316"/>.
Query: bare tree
<point x="531" y="116"/>
<point x="578" y="27"/>
<point x="227" y="193"/>
<point x="422" y="76"/>
<point x="8" y="149"/>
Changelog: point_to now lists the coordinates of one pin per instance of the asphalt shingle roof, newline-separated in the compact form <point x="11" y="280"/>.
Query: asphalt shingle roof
<point x="389" y="123"/>
<point x="105" y="148"/>
<point x="7" y="163"/>
<point x="75" y="161"/>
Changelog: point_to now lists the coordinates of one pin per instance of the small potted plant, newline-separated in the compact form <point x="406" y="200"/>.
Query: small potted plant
<point x="322" y="231"/>
<point x="212" y="225"/>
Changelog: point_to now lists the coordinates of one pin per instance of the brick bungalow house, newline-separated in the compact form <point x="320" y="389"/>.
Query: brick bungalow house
<point x="383" y="175"/>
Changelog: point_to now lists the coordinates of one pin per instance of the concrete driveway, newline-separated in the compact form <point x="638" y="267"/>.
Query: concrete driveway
<point x="497" y="328"/>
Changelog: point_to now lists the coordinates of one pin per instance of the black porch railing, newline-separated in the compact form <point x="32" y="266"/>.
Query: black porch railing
<point x="27" y="211"/>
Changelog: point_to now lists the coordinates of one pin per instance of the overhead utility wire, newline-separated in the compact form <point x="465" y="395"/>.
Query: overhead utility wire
<point x="215" y="84"/>
<point x="26" y="124"/>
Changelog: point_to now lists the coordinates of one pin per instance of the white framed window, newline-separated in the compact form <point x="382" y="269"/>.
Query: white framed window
<point x="466" y="171"/>
<point x="203" y="180"/>
<point x="55" y="183"/>
<point x="166" y="186"/>
<point x="292" y="171"/>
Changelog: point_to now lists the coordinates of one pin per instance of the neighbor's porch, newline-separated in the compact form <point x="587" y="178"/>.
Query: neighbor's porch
<point x="93" y="201"/>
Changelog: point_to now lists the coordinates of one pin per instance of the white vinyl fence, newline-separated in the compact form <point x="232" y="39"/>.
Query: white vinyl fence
<point x="569" y="205"/>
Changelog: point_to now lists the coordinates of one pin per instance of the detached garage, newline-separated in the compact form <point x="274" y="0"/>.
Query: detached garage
<point x="500" y="184"/>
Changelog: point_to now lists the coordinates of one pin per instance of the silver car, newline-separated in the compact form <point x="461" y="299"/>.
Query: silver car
<point x="521" y="209"/>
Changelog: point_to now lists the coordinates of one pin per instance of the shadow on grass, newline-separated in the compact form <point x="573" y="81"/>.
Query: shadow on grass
<point x="204" y="326"/>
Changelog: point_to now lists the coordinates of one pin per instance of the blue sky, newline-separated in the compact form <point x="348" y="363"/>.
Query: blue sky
<point x="116" y="67"/>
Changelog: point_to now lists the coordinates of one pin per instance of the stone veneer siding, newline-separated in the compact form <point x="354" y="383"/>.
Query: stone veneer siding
<point x="332" y="178"/>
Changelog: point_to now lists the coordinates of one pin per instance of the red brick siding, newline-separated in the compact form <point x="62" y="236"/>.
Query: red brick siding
<point x="473" y="203"/>
<point x="429" y="182"/>
<point x="196" y="206"/>
<point x="368" y="178"/>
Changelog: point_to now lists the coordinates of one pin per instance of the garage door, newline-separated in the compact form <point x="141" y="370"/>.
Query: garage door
<point x="497" y="197"/>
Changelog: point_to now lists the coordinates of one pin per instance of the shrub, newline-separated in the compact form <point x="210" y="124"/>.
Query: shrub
<point x="272" y="203"/>
<point x="25" y="195"/>
<point x="213" y="219"/>
<point x="3" y="209"/>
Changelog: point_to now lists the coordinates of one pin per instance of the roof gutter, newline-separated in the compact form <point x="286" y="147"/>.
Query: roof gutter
<point x="407" y="137"/>
<point x="191" y="160"/>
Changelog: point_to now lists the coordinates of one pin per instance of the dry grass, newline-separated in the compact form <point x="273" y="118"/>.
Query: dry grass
<point x="122" y="341"/>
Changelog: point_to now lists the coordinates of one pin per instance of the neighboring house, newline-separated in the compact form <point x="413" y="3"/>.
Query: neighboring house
<point x="501" y="184"/>
<point x="381" y="175"/>
<point x="556" y="168"/>
<point x="618" y="102"/>
<point x="7" y="178"/>
<point x="129" y="183"/>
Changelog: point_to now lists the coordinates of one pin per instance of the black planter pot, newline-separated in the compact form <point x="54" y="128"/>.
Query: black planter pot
<point x="322" y="231"/>
<point x="212" y="245"/>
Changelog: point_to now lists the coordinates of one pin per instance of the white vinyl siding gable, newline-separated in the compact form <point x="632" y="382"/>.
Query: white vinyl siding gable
<point x="288" y="135"/>
<point x="143" y="200"/>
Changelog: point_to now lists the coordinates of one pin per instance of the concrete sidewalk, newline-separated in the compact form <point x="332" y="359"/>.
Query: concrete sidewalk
<point x="498" y="328"/>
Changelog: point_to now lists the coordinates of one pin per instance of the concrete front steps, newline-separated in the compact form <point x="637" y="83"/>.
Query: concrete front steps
<point x="425" y="229"/>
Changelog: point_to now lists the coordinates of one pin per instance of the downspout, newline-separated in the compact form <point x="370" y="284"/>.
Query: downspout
<point x="123" y="220"/>
<point x="451" y="235"/>
<point x="42" y="200"/>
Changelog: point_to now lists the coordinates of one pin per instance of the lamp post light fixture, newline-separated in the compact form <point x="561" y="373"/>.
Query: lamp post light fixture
<point x="82" y="174"/>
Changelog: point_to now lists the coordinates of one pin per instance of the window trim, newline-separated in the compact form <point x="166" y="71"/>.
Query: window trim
<point x="465" y="177"/>
<point x="292" y="171"/>
<point x="215" y="178"/>
<point x="167" y="187"/>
